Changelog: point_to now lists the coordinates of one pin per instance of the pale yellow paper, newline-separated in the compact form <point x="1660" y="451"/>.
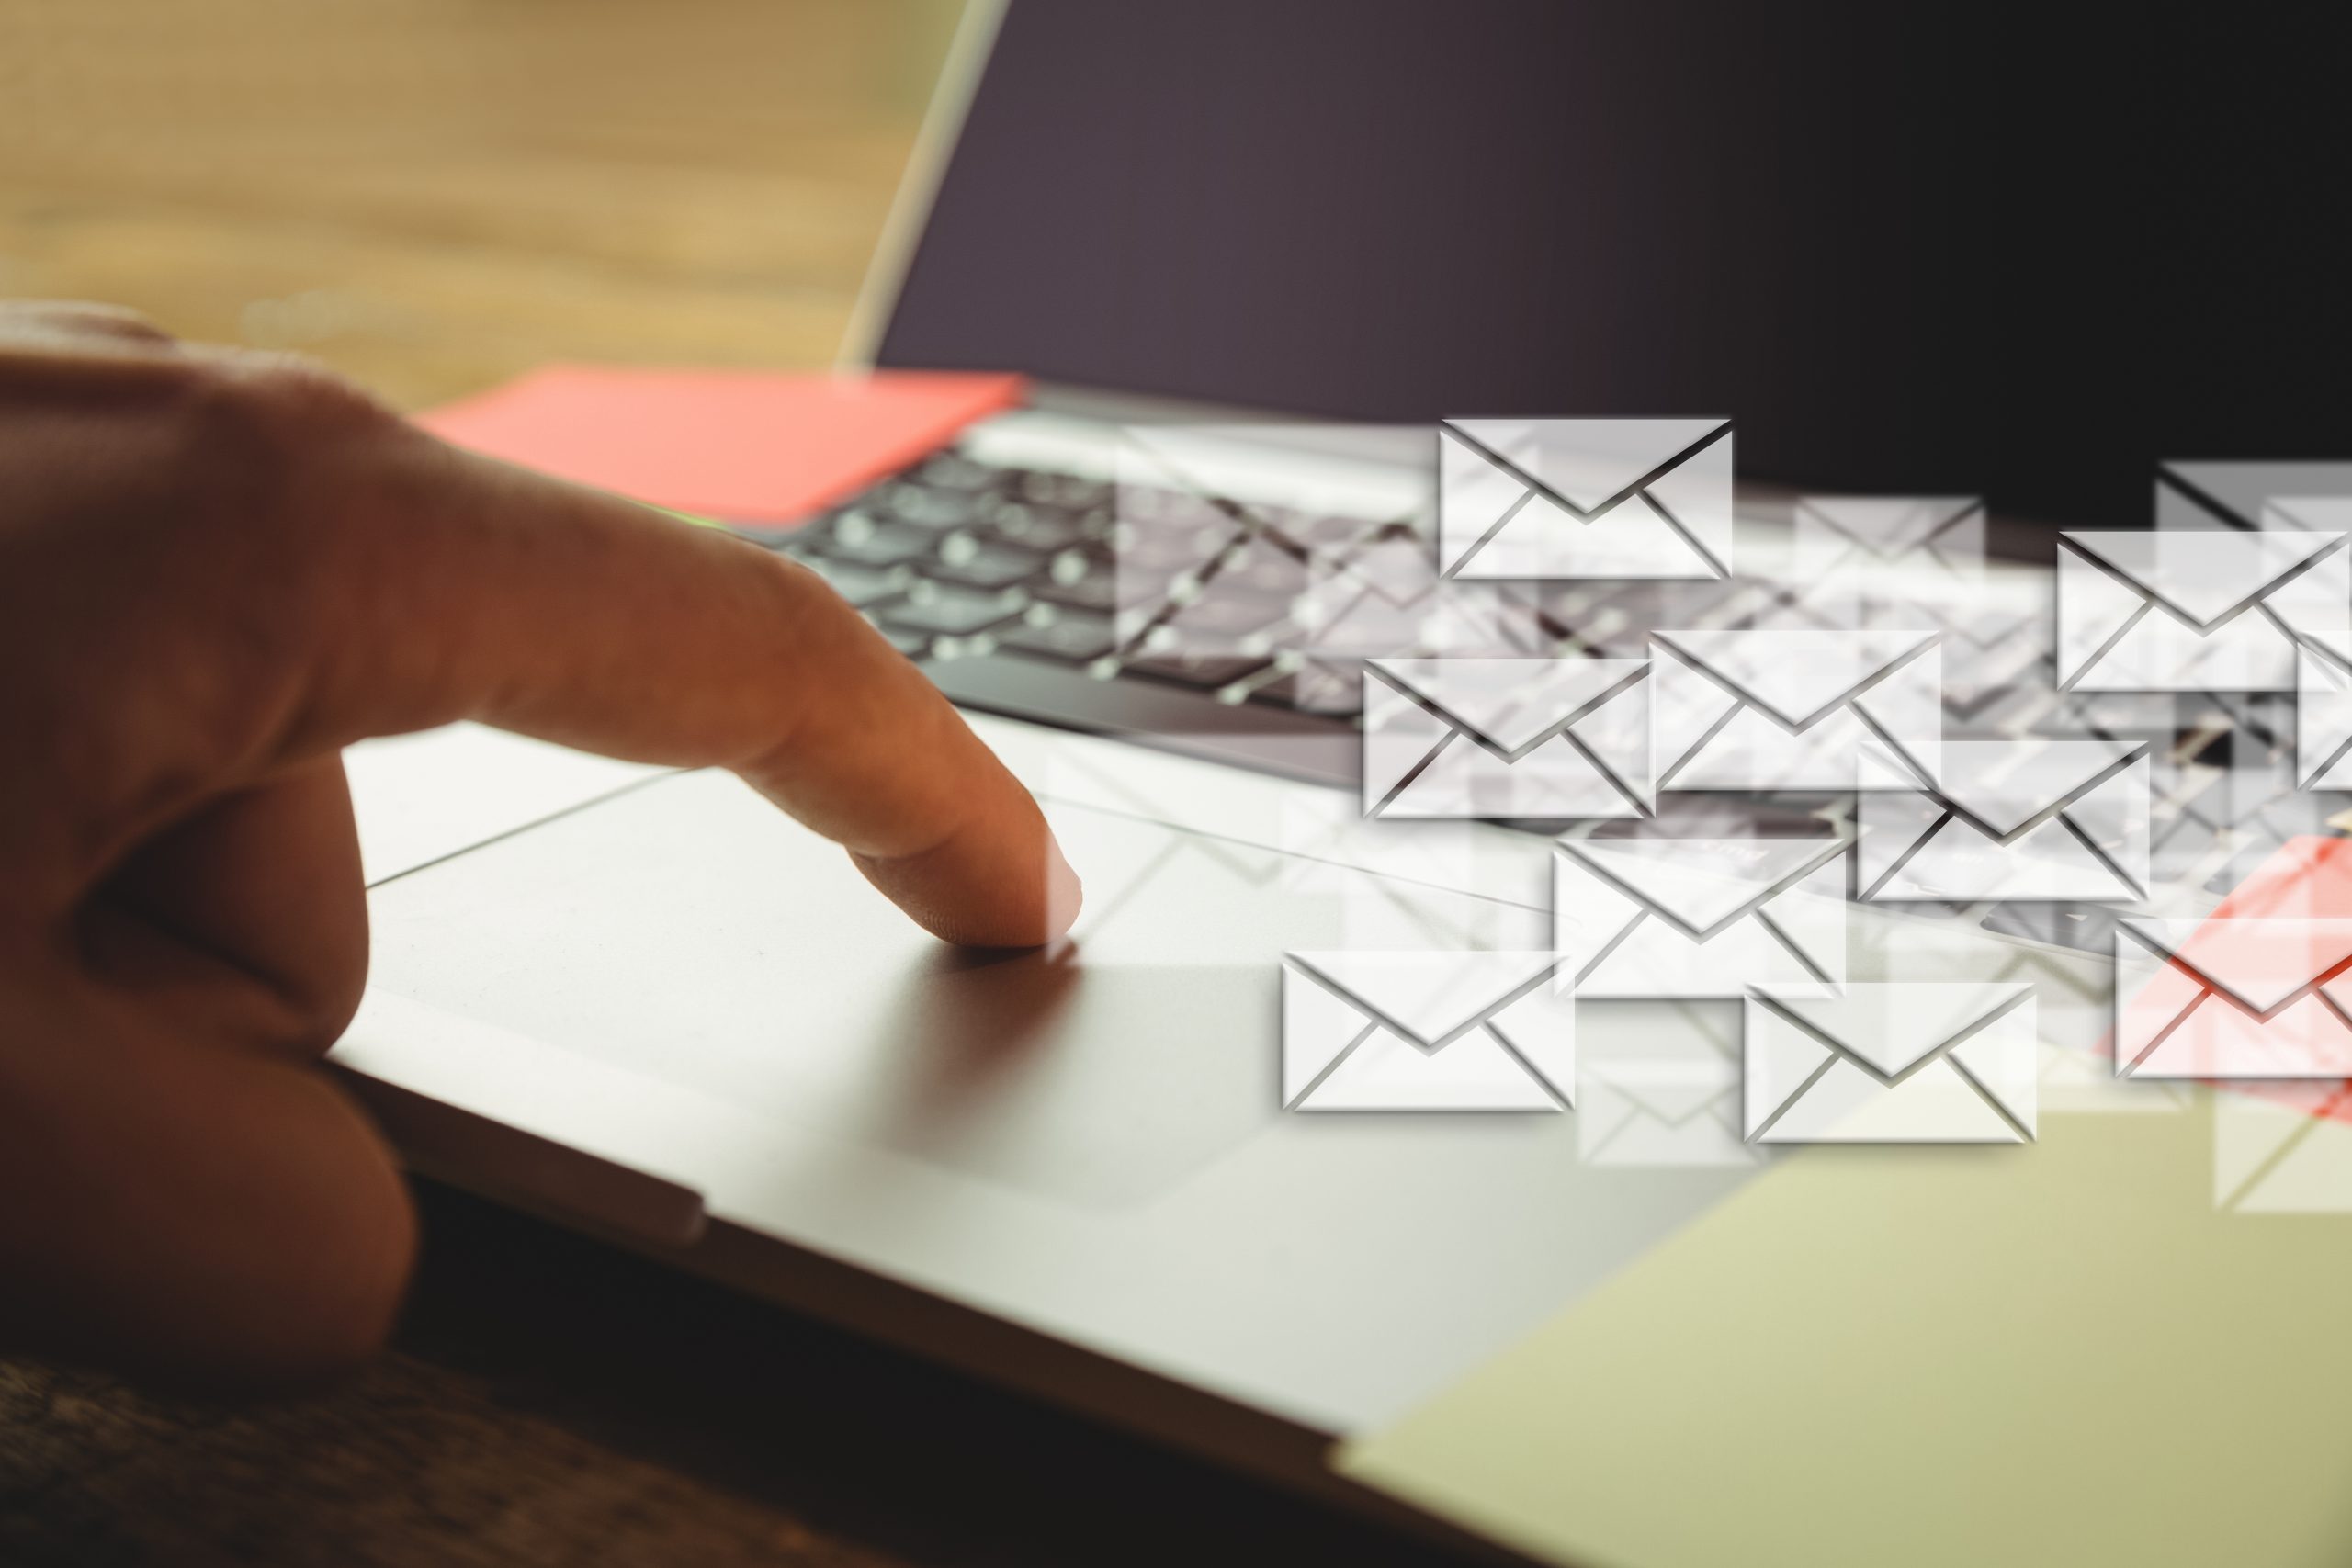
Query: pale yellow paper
<point x="2054" y="1354"/>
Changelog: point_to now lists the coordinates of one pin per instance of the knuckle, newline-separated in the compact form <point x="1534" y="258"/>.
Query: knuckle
<point x="264" y="451"/>
<point x="814" y="607"/>
<point x="292" y="407"/>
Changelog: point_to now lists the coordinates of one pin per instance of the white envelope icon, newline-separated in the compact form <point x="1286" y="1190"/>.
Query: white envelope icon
<point x="1213" y="537"/>
<point x="2107" y="716"/>
<point x="1381" y="593"/>
<point x="1506" y="738"/>
<point x="1910" y="561"/>
<point x="1792" y="710"/>
<point x="1919" y="1062"/>
<point x="1847" y="552"/>
<point x="1676" y="1104"/>
<point x="2013" y="820"/>
<point x="1426" y="1031"/>
<point x="2254" y="495"/>
<point x="2323" y="721"/>
<point x="2259" y="795"/>
<point x="2198" y="609"/>
<point x="2233" y="998"/>
<point x="1585" y="498"/>
<point x="2284" y="1150"/>
<point x="1693" y="918"/>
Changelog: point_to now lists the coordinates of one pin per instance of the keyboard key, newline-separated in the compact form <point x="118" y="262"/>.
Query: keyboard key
<point x="1066" y="490"/>
<point x="1077" y="638"/>
<point x="1315" y="688"/>
<point x="1083" y="586"/>
<point x="1041" y="528"/>
<point x="856" y="536"/>
<point x="1191" y="722"/>
<point x="1165" y="547"/>
<point x="1219" y="619"/>
<point x="953" y="470"/>
<point x="965" y="560"/>
<point x="920" y="507"/>
<point x="949" y="612"/>
<point x="1205" y="672"/>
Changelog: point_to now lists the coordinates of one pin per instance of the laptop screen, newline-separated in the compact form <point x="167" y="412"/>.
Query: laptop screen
<point x="1903" y="249"/>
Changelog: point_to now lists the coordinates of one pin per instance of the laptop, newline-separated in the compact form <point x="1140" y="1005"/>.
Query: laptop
<point x="646" y="1004"/>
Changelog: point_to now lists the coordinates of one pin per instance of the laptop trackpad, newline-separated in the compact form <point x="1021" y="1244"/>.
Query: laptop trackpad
<point x="690" y="932"/>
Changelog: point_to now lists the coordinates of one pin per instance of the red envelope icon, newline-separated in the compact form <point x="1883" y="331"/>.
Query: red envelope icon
<point x="2233" y="998"/>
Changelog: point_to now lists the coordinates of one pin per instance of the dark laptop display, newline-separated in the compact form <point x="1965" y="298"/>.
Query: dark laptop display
<point x="1914" y="248"/>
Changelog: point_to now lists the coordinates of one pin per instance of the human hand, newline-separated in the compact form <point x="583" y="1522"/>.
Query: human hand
<point x="216" y="570"/>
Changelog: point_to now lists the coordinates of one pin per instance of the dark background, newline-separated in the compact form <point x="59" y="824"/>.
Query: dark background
<point x="1908" y="247"/>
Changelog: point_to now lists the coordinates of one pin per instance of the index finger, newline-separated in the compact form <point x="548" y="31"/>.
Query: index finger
<point x="454" y="587"/>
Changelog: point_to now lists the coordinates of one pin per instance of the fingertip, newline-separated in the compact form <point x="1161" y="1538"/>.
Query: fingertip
<point x="985" y="887"/>
<point x="1073" y="893"/>
<point x="1064" y="893"/>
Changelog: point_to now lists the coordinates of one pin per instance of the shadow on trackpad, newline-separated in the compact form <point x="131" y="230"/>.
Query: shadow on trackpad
<point x="690" y="932"/>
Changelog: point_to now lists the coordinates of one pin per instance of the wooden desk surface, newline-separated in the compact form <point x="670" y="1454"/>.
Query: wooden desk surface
<point x="433" y="195"/>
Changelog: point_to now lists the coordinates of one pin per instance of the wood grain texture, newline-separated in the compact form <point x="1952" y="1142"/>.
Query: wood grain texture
<point x="433" y="195"/>
<point x="409" y="1462"/>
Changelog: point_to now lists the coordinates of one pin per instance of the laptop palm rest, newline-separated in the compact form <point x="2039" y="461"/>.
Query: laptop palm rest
<point x="680" y="983"/>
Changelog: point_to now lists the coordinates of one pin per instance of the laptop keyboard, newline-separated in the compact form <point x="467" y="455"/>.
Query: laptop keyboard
<point x="955" y="559"/>
<point x="959" y="561"/>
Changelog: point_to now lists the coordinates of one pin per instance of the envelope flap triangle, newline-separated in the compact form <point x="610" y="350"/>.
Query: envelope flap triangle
<point x="1888" y="524"/>
<point x="1699" y="883"/>
<point x="1511" y="702"/>
<point x="2339" y="990"/>
<point x="1394" y="565"/>
<point x="1890" y="1027"/>
<point x="1429" y="997"/>
<point x="1676" y="1091"/>
<point x="1797" y="674"/>
<point x="2322" y="713"/>
<point x="1586" y="462"/>
<point x="2005" y="784"/>
<point x="2007" y="1069"/>
<point x="2260" y="965"/>
<point x="2204" y="573"/>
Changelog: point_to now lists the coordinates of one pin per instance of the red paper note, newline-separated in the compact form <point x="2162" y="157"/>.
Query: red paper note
<point x="746" y="446"/>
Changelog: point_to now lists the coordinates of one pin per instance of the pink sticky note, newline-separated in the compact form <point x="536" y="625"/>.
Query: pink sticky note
<point x="746" y="446"/>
